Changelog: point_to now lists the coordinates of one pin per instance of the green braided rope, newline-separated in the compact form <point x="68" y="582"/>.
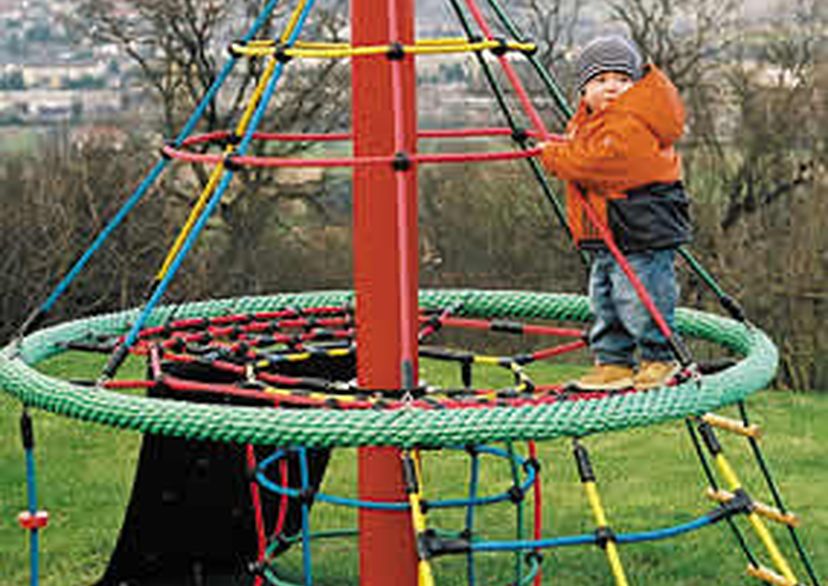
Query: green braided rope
<point x="403" y="427"/>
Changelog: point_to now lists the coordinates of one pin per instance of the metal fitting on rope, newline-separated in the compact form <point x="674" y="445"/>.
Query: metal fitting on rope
<point x="502" y="47"/>
<point x="603" y="536"/>
<point x="401" y="162"/>
<point x="396" y="51"/>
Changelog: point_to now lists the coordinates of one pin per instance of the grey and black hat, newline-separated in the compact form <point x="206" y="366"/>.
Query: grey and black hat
<point x="608" y="53"/>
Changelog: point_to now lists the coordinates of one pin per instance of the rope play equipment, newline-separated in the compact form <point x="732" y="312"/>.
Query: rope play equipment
<point x="239" y="347"/>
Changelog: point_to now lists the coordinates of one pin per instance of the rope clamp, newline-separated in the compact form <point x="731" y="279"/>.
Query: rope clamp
<point x="230" y="163"/>
<point x="280" y="53"/>
<point x="401" y="162"/>
<point x="396" y="51"/>
<point x="520" y="135"/>
<point x="741" y="503"/>
<point x="603" y="536"/>
<point x="233" y="50"/>
<point x="516" y="494"/>
<point x="430" y="545"/>
<point x="502" y="47"/>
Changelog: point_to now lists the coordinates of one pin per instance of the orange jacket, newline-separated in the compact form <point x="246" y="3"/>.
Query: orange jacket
<point x="627" y="145"/>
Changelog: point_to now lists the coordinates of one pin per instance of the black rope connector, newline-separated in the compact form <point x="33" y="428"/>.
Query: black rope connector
<point x="306" y="495"/>
<point x="710" y="439"/>
<point x="232" y="139"/>
<point x="604" y="535"/>
<point x="425" y="506"/>
<point x="281" y="55"/>
<point x="516" y="494"/>
<point x="396" y="51"/>
<point x="529" y="51"/>
<point x="401" y="162"/>
<point x="163" y="150"/>
<point x="430" y="545"/>
<point x="26" y="430"/>
<point x="733" y="308"/>
<point x="532" y="464"/>
<point x="230" y="162"/>
<point x="233" y="50"/>
<point x="502" y="47"/>
<point x="741" y="503"/>
<point x="534" y="556"/>
<point x="409" y="475"/>
<point x="520" y="135"/>
<point x="585" y="471"/>
<point x="472" y="449"/>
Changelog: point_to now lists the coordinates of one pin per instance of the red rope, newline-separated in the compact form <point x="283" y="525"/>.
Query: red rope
<point x="511" y="74"/>
<point x="255" y="498"/>
<point x="223" y="135"/>
<point x="640" y="290"/>
<point x="424" y="158"/>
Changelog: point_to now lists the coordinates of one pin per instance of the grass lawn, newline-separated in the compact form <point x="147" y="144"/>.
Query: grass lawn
<point x="648" y="479"/>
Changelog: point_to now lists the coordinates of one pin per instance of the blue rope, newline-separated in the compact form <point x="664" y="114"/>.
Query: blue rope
<point x="392" y="505"/>
<point x="590" y="538"/>
<point x="665" y="533"/>
<point x="227" y="177"/>
<point x="31" y="497"/>
<point x="156" y="171"/>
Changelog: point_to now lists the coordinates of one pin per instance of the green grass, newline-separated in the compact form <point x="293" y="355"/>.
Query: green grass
<point x="648" y="478"/>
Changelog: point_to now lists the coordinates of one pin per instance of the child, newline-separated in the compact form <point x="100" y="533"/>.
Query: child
<point x="619" y="154"/>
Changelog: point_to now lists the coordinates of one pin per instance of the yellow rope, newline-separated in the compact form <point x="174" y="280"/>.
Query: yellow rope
<point x="218" y="171"/>
<point x="756" y="522"/>
<point x="611" y="548"/>
<point x="317" y="50"/>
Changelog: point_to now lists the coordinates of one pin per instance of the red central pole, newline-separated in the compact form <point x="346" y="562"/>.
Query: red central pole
<point x="385" y="269"/>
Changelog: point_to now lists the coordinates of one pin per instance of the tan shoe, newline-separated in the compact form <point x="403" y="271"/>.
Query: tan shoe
<point x="653" y="374"/>
<point x="605" y="377"/>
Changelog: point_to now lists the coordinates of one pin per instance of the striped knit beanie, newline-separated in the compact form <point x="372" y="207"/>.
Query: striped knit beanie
<point x="608" y="53"/>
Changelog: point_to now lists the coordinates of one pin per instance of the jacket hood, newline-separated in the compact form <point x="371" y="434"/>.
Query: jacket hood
<point x="655" y="101"/>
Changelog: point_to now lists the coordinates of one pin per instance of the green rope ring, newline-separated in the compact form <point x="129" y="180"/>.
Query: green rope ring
<point x="402" y="427"/>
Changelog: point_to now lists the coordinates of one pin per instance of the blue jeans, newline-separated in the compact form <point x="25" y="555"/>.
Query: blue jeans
<point x="622" y="323"/>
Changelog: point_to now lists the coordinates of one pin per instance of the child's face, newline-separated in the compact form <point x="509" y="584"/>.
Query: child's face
<point x="604" y="88"/>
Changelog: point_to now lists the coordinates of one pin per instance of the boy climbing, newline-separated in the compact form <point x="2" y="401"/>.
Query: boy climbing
<point x="618" y="155"/>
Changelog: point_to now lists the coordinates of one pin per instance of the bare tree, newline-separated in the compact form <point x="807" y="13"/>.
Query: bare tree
<point x="178" y="48"/>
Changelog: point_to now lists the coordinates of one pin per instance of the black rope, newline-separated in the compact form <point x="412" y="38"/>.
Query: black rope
<point x="777" y="498"/>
